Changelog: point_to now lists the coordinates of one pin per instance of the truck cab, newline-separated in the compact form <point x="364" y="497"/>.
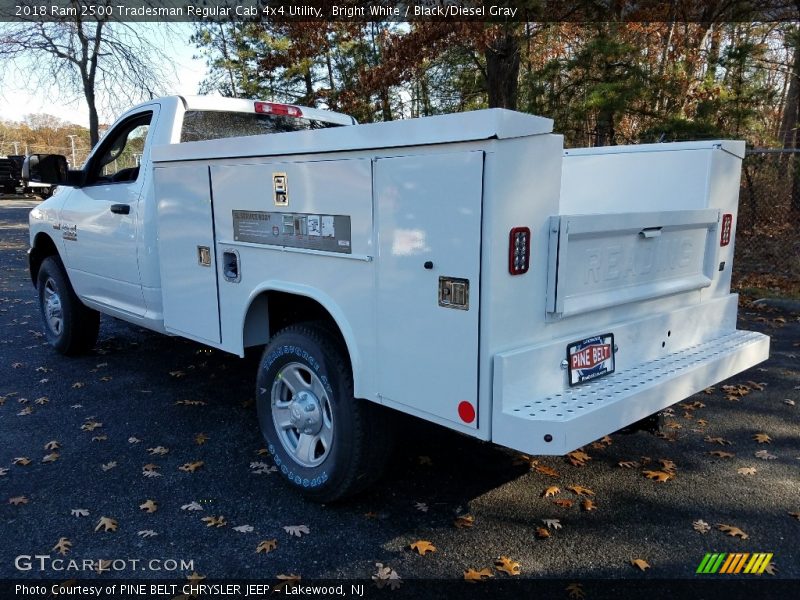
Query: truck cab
<point x="102" y="219"/>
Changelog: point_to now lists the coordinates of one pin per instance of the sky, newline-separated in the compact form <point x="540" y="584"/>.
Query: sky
<point x="16" y="102"/>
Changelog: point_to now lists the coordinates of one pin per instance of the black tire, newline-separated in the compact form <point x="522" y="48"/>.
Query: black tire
<point x="69" y="325"/>
<point x="347" y="441"/>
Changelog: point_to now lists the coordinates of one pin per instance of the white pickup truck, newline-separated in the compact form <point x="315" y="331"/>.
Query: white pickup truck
<point x="465" y="269"/>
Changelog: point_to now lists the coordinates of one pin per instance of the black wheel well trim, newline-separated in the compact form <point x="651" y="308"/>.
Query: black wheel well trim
<point x="43" y="247"/>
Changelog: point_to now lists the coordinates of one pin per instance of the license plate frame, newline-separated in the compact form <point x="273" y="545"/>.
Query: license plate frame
<point x="590" y="358"/>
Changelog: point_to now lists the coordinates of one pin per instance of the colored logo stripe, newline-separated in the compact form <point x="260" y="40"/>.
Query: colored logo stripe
<point x="724" y="563"/>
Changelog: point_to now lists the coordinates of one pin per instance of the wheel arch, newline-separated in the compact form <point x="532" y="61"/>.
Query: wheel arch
<point x="277" y="305"/>
<point x="43" y="246"/>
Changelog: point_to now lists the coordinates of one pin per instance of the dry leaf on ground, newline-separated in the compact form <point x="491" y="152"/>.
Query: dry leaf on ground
<point x="297" y="530"/>
<point x="149" y="506"/>
<point x="579" y="490"/>
<point x="659" y="476"/>
<point x="266" y="546"/>
<point x="464" y="521"/>
<point x="762" y="438"/>
<point x="746" y="470"/>
<point x="192" y="466"/>
<point x="63" y="546"/>
<point x="732" y="531"/>
<point x="640" y="563"/>
<point x="212" y="521"/>
<point x="471" y="575"/>
<point x="701" y="526"/>
<point x="386" y="577"/>
<point x="107" y="524"/>
<point x="422" y="547"/>
<point x="507" y="565"/>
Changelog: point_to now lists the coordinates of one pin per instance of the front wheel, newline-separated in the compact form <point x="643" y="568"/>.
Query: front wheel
<point x="70" y="327"/>
<point x="325" y="442"/>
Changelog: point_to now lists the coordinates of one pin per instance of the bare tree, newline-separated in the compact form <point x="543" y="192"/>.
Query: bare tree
<point x="97" y="56"/>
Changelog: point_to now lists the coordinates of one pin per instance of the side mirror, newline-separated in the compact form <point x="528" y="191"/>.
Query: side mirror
<point x="46" y="168"/>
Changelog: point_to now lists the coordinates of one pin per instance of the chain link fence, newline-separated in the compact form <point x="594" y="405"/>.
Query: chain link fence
<point x="767" y="234"/>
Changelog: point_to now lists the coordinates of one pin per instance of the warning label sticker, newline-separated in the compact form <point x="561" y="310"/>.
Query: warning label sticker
<point x="330" y="233"/>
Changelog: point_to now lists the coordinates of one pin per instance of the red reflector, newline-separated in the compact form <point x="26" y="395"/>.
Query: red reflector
<point x="519" y="250"/>
<point x="727" y="225"/>
<point x="466" y="411"/>
<point x="271" y="108"/>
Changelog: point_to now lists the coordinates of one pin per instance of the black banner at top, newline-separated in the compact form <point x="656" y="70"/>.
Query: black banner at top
<point x="402" y="11"/>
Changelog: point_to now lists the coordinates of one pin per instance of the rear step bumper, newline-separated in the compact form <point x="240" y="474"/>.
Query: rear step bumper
<point x="577" y="416"/>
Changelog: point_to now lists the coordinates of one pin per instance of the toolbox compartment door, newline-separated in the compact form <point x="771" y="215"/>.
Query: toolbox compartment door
<point x="428" y="210"/>
<point x="602" y="260"/>
<point x="186" y="251"/>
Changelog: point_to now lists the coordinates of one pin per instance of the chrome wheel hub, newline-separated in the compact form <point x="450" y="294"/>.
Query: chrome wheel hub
<point x="302" y="414"/>
<point x="53" y="313"/>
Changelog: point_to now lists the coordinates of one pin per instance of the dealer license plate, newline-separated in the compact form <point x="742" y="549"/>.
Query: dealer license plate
<point x="590" y="358"/>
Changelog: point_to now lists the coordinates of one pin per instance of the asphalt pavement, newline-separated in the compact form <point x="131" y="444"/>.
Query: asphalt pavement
<point x="107" y="432"/>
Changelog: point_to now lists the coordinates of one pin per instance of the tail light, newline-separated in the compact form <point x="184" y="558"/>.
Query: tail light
<point x="272" y="108"/>
<point x="727" y="225"/>
<point x="519" y="250"/>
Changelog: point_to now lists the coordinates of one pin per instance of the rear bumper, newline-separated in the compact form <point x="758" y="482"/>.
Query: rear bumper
<point x="574" y="417"/>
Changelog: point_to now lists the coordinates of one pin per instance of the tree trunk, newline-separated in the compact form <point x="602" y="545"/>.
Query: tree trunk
<point x="788" y="131"/>
<point x="502" y="71"/>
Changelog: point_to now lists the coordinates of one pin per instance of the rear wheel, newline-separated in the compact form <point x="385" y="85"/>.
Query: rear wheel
<point x="325" y="442"/>
<point x="70" y="327"/>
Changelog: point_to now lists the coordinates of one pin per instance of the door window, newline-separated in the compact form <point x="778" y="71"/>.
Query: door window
<point x="119" y="155"/>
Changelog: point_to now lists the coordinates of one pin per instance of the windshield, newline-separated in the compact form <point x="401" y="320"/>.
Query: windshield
<point x="212" y="125"/>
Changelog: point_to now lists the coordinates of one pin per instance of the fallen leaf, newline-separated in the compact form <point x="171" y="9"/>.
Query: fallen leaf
<point x="668" y="465"/>
<point x="471" y="575"/>
<point x="213" y="521"/>
<point x="52" y="445"/>
<point x="386" y="576"/>
<point x="579" y="490"/>
<point x="507" y="565"/>
<point x="52" y="457"/>
<point x="296" y="530"/>
<point x="796" y="515"/>
<point x="63" y="546"/>
<point x="158" y="450"/>
<point x="107" y="523"/>
<point x="765" y="455"/>
<point x="149" y="506"/>
<point x="195" y="577"/>
<point x="733" y="531"/>
<point x="578" y="458"/>
<point x="551" y="491"/>
<point x="133" y="440"/>
<point x="762" y="438"/>
<point x="575" y="591"/>
<point x="191" y="402"/>
<point x="722" y="454"/>
<point x="79" y="512"/>
<point x="545" y="470"/>
<point x="717" y="440"/>
<point x="542" y="532"/>
<point x="3" y="471"/>
<point x="77" y="385"/>
<point x="588" y="505"/>
<point x="99" y="438"/>
<point x="17" y="500"/>
<point x="422" y="547"/>
<point x="659" y="476"/>
<point x="177" y="374"/>
<point x="146" y="533"/>
<point x="464" y="521"/>
<point x="260" y="468"/>
<point x="192" y="506"/>
<point x="746" y="470"/>
<point x="770" y="569"/>
<point x="701" y="526"/>
<point x="25" y="411"/>
<point x="91" y="425"/>
<point x="552" y="523"/>
<point x="266" y="546"/>
<point x="200" y="439"/>
<point x="243" y="528"/>
<point x="563" y="502"/>
<point x="421" y="506"/>
<point x="425" y="461"/>
<point x="640" y="563"/>
<point x="109" y="465"/>
<point x="21" y="460"/>
<point x="192" y="466"/>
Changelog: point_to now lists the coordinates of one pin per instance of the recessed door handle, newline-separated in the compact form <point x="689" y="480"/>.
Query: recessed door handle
<point x="121" y="209"/>
<point x="650" y="232"/>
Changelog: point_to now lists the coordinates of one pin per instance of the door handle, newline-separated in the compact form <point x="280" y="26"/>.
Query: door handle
<point x="650" y="232"/>
<point x="121" y="209"/>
